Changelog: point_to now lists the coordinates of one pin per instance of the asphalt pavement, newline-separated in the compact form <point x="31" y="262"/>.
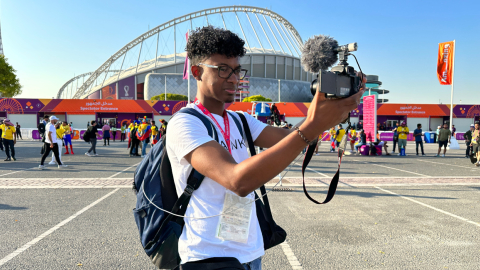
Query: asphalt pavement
<point x="390" y="212"/>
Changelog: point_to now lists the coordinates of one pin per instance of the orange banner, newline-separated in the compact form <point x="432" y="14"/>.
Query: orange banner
<point x="446" y="53"/>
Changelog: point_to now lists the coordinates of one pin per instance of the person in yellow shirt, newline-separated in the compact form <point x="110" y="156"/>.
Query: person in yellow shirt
<point x="60" y="132"/>
<point x="353" y="139"/>
<point x="339" y="135"/>
<point x="155" y="133"/>
<point x="9" y="139"/>
<point x="67" y="137"/>
<point x="402" y="137"/>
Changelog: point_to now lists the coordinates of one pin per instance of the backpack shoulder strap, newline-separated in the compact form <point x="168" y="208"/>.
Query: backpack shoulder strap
<point x="251" y="146"/>
<point x="239" y="126"/>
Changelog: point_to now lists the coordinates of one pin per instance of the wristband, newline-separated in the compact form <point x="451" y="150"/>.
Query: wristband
<point x="303" y="136"/>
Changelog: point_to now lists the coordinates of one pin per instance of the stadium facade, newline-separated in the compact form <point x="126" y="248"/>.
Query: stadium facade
<point x="153" y="63"/>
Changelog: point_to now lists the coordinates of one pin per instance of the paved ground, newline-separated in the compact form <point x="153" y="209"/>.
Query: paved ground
<point x="389" y="213"/>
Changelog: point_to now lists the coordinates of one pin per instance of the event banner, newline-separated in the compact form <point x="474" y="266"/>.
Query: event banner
<point x="370" y="117"/>
<point x="126" y="88"/>
<point x="446" y="54"/>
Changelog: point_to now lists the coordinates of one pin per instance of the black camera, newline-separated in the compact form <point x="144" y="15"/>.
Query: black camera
<point x="342" y="80"/>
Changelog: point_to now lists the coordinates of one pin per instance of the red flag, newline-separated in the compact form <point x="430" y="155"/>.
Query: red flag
<point x="446" y="53"/>
<point x="186" y="66"/>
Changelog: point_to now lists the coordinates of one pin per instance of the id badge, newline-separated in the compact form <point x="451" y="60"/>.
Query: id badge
<point x="234" y="225"/>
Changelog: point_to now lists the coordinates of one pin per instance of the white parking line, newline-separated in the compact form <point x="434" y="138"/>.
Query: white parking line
<point x="45" y="234"/>
<point x="431" y="207"/>
<point x="124" y="170"/>
<point x="424" y="175"/>
<point x="292" y="259"/>
<point x="472" y="167"/>
<point x="18" y="171"/>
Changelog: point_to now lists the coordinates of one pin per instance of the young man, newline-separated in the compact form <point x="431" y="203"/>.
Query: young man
<point x="9" y="139"/>
<point x="417" y="133"/>
<point x="402" y="137"/>
<point x="229" y="172"/>
<point x="93" y="132"/>
<point x="443" y="139"/>
<point x="353" y="139"/>
<point x="50" y="143"/>
<point x="468" y="140"/>
<point x="476" y="142"/>
<point x="60" y="131"/>
<point x="155" y="133"/>
<point x="18" y="132"/>
<point x="395" y="137"/>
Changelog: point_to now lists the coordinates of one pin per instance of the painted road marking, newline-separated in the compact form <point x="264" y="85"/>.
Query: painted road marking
<point x="472" y="167"/>
<point x="424" y="175"/>
<point x="431" y="207"/>
<point x="59" y="225"/>
<point x="292" y="259"/>
<point x="123" y="170"/>
<point x="18" y="171"/>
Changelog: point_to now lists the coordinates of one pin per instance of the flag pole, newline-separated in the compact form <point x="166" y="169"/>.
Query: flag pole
<point x="188" y="75"/>
<point x="453" y="78"/>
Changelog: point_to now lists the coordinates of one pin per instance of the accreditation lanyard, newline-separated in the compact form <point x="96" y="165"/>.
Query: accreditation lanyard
<point x="226" y="133"/>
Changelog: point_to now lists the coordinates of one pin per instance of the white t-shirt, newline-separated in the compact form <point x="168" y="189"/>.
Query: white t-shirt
<point x="50" y="128"/>
<point x="198" y="241"/>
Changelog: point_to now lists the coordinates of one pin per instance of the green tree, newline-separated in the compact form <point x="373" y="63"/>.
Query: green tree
<point x="169" y="97"/>
<point x="256" y="98"/>
<point x="9" y="83"/>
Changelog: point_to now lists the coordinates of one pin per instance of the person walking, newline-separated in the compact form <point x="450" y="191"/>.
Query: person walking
<point x="113" y="128"/>
<point x="50" y="143"/>
<point x="18" y="133"/>
<point x="59" y="133"/>
<point x="402" y="137"/>
<point x="443" y="139"/>
<point x="417" y="133"/>
<point x="9" y="139"/>
<point x="353" y="139"/>
<point x="468" y="140"/>
<point x="144" y="133"/>
<point x="93" y="133"/>
<point x="395" y="137"/>
<point x="106" y="134"/>
<point x="438" y="132"/>
<point x="67" y="137"/>
<point x="339" y="135"/>
<point x="453" y="130"/>
<point x="123" y="131"/>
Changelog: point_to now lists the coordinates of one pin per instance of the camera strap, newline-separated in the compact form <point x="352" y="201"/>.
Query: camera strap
<point x="334" y="183"/>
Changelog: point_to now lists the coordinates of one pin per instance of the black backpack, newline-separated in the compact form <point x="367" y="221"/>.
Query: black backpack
<point x="154" y="187"/>
<point x="86" y="135"/>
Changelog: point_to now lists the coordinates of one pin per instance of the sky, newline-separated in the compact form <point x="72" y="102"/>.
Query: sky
<point x="48" y="42"/>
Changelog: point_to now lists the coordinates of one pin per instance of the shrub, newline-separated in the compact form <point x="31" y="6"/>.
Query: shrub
<point x="169" y="97"/>
<point x="256" y="98"/>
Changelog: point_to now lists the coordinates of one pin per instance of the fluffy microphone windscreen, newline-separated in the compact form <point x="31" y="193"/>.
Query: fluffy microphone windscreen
<point x="319" y="53"/>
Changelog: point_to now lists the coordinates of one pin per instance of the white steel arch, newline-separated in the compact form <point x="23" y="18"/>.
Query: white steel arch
<point x="287" y="34"/>
<point x="63" y="91"/>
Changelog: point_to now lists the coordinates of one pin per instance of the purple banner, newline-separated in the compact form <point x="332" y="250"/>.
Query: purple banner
<point x="466" y="111"/>
<point x="94" y="95"/>
<point x="358" y="111"/>
<point x="169" y="107"/>
<point x="21" y="106"/>
<point x="459" y="136"/>
<point x="126" y="88"/>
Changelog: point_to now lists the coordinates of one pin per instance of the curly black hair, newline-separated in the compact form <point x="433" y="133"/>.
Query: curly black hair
<point x="209" y="40"/>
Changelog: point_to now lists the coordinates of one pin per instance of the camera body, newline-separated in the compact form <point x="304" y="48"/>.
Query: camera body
<point x="341" y="81"/>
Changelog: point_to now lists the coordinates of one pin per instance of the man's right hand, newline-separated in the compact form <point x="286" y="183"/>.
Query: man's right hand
<point x="51" y="145"/>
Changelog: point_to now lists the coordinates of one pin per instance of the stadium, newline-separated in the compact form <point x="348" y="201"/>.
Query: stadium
<point x="153" y="63"/>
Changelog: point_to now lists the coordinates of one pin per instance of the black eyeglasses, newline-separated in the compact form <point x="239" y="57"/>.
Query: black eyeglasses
<point x="225" y="71"/>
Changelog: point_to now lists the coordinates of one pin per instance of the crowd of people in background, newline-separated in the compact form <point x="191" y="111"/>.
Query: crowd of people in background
<point x="142" y="132"/>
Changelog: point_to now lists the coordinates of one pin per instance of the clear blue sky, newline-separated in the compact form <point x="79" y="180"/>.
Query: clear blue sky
<point x="47" y="42"/>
